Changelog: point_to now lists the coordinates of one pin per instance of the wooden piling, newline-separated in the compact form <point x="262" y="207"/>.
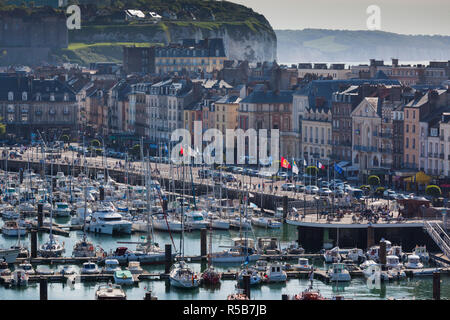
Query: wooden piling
<point x="284" y="297"/>
<point x="285" y="207"/>
<point x="33" y="245"/>
<point x="102" y="193"/>
<point x="247" y="285"/>
<point x="168" y="258"/>
<point x="382" y="253"/>
<point x="43" y="287"/>
<point x="203" y="233"/>
<point x="436" y="286"/>
<point x="40" y="214"/>
<point x="370" y="237"/>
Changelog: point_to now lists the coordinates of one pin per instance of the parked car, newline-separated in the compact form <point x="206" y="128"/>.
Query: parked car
<point x="325" y="192"/>
<point x="389" y="194"/>
<point x="204" y="174"/>
<point x="287" y="187"/>
<point x="311" y="189"/>
<point x="299" y="188"/>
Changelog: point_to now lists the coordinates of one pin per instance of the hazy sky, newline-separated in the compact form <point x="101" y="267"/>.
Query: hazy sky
<point x="400" y="16"/>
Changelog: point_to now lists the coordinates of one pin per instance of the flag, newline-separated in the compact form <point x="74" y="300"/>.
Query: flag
<point x="285" y="163"/>
<point x="320" y="165"/>
<point x="337" y="168"/>
<point x="294" y="168"/>
<point x="181" y="151"/>
<point x="166" y="149"/>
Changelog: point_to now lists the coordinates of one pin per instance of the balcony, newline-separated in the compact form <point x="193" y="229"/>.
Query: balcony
<point x="435" y="155"/>
<point x="364" y="148"/>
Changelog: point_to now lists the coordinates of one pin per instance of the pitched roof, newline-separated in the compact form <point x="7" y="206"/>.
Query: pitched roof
<point x="269" y="96"/>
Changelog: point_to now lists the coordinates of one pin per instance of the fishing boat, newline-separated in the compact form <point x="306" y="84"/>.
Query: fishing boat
<point x="110" y="292"/>
<point x="111" y="266"/>
<point x="338" y="273"/>
<point x="302" y="265"/>
<point x="413" y="262"/>
<point x="182" y="276"/>
<point x="332" y="255"/>
<point x="123" y="277"/>
<point x="61" y="209"/>
<point x="12" y="229"/>
<point x="422" y="252"/>
<point x="27" y="267"/>
<point x="90" y="268"/>
<point x="19" y="278"/>
<point x="274" y="273"/>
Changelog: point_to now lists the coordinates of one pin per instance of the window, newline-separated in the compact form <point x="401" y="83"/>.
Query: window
<point x="407" y="143"/>
<point x="24" y="96"/>
<point x="10" y="96"/>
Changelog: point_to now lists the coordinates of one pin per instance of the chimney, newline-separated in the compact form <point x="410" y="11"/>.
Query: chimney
<point x="394" y="62"/>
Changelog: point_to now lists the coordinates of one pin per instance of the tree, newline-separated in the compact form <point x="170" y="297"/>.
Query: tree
<point x="135" y="150"/>
<point x="312" y="170"/>
<point x="433" y="191"/>
<point x="65" y="138"/>
<point x="373" y="181"/>
<point x="95" y="143"/>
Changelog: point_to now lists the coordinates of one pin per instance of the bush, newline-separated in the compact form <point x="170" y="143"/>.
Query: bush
<point x="365" y="187"/>
<point x="95" y="143"/>
<point x="433" y="191"/>
<point x="380" y="191"/>
<point x="311" y="170"/>
<point x="373" y="180"/>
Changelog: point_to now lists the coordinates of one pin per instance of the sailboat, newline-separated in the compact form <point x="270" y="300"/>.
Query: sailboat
<point x="181" y="275"/>
<point x="210" y="275"/>
<point x="84" y="247"/>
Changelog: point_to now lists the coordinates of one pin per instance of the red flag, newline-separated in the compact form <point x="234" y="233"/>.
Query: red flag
<point x="285" y="163"/>
<point x="181" y="151"/>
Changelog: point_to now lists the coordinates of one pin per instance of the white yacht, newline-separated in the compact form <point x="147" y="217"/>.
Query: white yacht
<point x="356" y="255"/>
<point x="240" y="223"/>
<point x="106" y="220"/>
<point x="61" y="209"/>
<point x="216" y="222"/>
<point x="182" y="276"/>
<point x="413" y="262"/>
<point x="338" y="273"/>
<point x="275" y="273"/>
<point x="52" y="248"/>
<point x="243" y="250"/>
<point x="165" y="224"/>
<point x="78" y="219"/>
<point x="422" y="252"/>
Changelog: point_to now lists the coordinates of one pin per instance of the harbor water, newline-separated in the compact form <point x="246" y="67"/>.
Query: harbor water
<point x="414" y="288"/>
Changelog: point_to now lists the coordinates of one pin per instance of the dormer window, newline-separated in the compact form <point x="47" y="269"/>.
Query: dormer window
<point x="38" y="97"/>
<point x="52" y="96"/>
<point x="66" y="97"/>
<point x="24" y="96"/>
<point x="10" y="96"/>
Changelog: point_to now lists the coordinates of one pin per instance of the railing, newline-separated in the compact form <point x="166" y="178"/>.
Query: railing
<point x="439" y="236"/>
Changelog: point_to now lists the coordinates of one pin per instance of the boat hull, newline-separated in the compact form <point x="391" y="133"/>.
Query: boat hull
<point x="9" y="255"/>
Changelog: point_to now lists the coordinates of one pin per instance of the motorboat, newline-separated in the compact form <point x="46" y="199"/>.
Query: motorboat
<point x="167" y="223"/>
<point x="67" y="270"/>
<point x="78" y="219"/>
<point x="12" y="229"/>
<point x="338" y="273"/>
<point x="240" y="295"/>
<point x="397" y="251"/>
<point x="274" y="273"/>
<point x="309" y="294"/>
<point x="111" y="266"/>
<point x="396" y="273"/>
<point x="44" y="270"/>
<point x="294" y="248"/>
<point x="4" y="269"/>
<point x="195" y="220"/>
<point x="366" y="264"/>
<point x="373" y="252"/>
<point x="413" y="262"/>
<point x="302" y="265"/>
<point x="85" y="248"/>
<point x="211" y="276"/>
<point x="255" y="277"/>
<point x="422" y="252"/>
<point x="393" y="262"/>
<point x="261" y="265"/>
<point x="243" y="250"/>
<point x="123" y="277"/>
<point x="265" y="222"/>
<point x="27" y="267"/>
<point x="182" y="276"/>
<point x="268" y="245"/>
<point x="61" y="209"/>
<point x="10" y="214"/>
<point x="332" y="255"/>
<point x="19" y="278"/>
<point x="356" y="255"/>
<point x="106" y="220"/>
<point x="90" y="268"/>
<point x="110" y="292"/>
<point x="135" y="267"/>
